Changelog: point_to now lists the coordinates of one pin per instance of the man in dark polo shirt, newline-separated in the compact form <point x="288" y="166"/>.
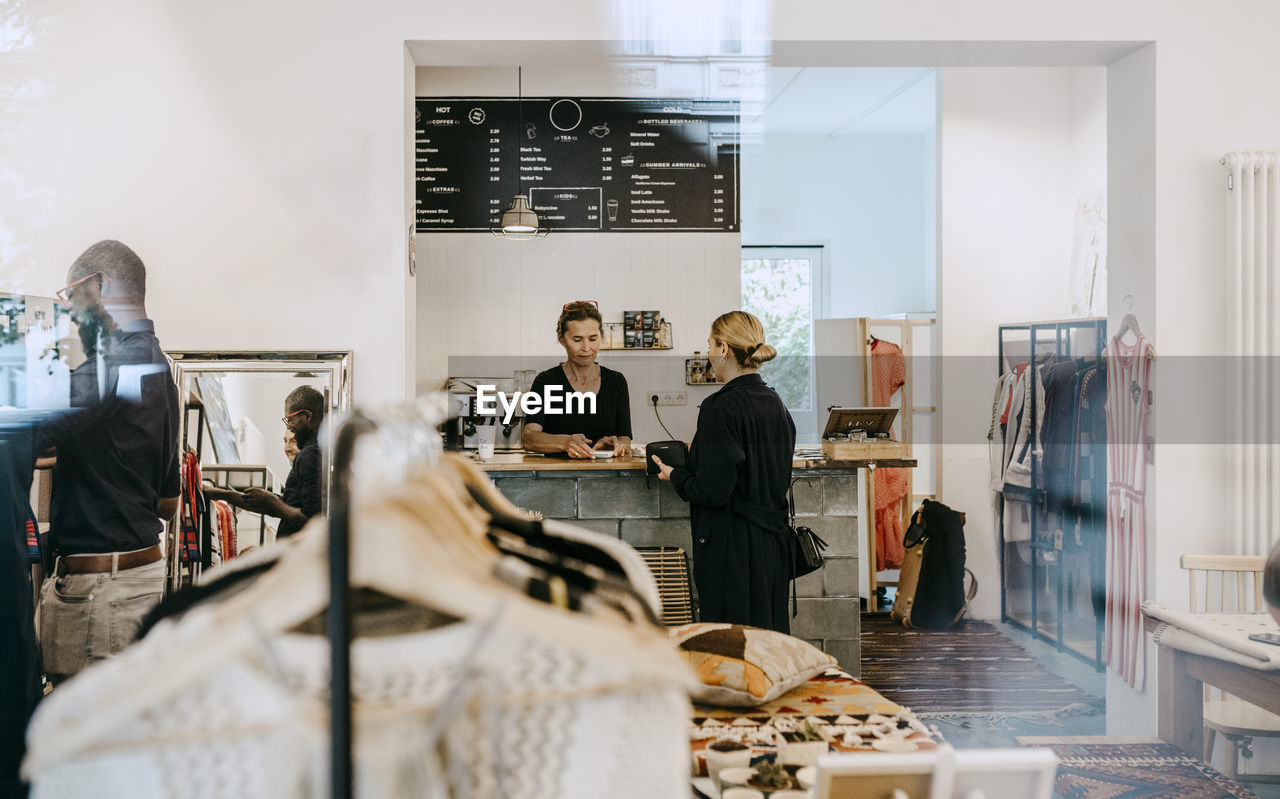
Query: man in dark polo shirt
<point x="116" y="471"/>
<point x="303" y="495"/>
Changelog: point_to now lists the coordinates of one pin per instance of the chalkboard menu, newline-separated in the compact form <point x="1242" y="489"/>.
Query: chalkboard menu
<point x="598" y="164"/>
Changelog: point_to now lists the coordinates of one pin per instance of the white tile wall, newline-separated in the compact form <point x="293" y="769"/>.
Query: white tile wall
<point x="481" y="295"/>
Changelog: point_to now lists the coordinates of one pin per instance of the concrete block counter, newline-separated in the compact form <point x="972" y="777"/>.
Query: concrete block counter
<point x="610" y="497"/>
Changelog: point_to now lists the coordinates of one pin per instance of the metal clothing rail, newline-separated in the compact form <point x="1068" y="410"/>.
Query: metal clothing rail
<point x="339" y="619"/>
<point x="1062" y="347"/>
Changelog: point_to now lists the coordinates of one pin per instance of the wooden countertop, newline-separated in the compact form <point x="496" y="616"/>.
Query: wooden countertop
<point x="521" y="462"/>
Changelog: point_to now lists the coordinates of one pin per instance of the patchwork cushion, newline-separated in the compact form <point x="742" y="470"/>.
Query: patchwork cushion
<point x="742" y="666"/>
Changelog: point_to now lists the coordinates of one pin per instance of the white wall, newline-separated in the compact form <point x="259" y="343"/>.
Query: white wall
<point x="864" y="198"/>
<point x="1132" y="272"/>
<point x="1008" y="199"/>
<point x="260" y="398"/>
<point x="481" y="295"/>
<point x="256" y="169"/>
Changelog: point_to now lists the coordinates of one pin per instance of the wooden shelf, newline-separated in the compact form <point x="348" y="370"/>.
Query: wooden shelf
<point x="615" y="333"/>
<point x="688" y="372"/>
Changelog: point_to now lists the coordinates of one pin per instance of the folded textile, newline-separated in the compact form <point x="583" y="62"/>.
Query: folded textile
<point x="1224" y="636"/>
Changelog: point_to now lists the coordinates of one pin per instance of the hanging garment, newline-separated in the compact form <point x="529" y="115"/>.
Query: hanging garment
<point x="996" y="430"/>
<point x="1090" y="466"/>
<point x="468" y="688"/>
<point x="190" y="510"/>
<point x="888" y="375"/>
<point x="1128" y="413"/>
<point x="1023" y="437"/>
<point x="34" y="554"/>
<point x="1060" y="435"/>
<point x="224" y="523"/>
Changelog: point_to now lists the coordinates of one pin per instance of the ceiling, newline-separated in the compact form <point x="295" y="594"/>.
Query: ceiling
<point x="845" y="101"/>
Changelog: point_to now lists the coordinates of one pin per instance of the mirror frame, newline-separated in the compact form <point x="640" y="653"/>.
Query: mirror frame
<point x="189" y="363"/>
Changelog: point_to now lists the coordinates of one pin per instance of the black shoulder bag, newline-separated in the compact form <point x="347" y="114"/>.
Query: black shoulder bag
<point x="807" y="544"/>
<point x="806" y="547"/>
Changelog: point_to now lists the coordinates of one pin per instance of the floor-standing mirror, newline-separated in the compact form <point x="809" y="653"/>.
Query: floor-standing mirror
<point x="232" y="427"/>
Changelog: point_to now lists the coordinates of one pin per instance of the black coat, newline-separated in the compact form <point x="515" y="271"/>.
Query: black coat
<point x="736" y="483"/>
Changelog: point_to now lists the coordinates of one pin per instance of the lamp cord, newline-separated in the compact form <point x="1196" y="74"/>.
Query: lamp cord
<point x="519" y="121"/>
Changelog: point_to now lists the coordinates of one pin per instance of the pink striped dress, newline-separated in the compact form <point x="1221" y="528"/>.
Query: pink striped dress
<point x="1128" y="415"/>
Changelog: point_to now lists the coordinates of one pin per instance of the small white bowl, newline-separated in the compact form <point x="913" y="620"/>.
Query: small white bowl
<point x="737" y="775"/>
<point x="717" y="761"/>
<point x="807" y="776"/>
<point x="805" y="753"/>
<point x="887" y="745"/>
<point x="739" y="792"/>
<point x="789" y="794"/>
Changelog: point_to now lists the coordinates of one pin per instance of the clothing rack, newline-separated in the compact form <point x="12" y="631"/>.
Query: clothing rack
<point x="906" y="331"/>
<point x="1063" y="346"/>
<point x="403" y="436"/>
<point x="339" y="620"/>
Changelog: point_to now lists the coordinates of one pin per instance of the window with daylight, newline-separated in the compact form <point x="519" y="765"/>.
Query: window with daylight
<point x="781" y="285"/>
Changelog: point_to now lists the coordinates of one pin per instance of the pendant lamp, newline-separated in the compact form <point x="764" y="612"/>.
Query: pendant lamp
<point x="519" y="222"/>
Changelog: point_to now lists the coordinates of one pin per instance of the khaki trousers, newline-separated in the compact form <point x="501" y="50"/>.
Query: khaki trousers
<point x="83" y="618"/>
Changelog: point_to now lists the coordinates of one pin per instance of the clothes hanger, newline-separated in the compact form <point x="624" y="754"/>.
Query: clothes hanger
<point x="582" y="565"/>
<point x="507" y="516"/>
<point x="413" y="540"/>
<point x="621" y="557"/>
<point x="1129" y="324"/>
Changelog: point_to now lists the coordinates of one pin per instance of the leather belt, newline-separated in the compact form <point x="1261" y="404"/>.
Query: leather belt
<point x="92" y="564"/>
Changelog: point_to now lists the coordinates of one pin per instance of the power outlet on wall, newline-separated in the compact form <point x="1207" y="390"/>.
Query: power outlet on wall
<point x="670" y="398"/>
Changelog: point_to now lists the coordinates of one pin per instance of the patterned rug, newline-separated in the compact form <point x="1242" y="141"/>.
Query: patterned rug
<point x="1104" y="770"/>
<point x="968" y="673"/>
<point x="853" y="716"/>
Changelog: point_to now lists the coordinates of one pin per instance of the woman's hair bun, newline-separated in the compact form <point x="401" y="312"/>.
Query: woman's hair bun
<point x="762" y="354"/>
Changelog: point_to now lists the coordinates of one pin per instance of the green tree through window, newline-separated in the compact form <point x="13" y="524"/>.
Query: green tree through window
<point x="779" y="291"/>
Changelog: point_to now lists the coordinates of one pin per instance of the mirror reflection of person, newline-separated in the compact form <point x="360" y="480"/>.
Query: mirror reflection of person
<point x="579" y="435"/>
<point x="115" y="468"/>
<point x="290" y="445"/>
<point x="736" y="481"/>
<point x="303" y="495"/>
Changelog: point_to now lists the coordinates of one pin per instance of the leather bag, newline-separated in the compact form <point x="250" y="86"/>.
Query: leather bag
<point x="931" y="592"/>
<point x="807" y="545"/>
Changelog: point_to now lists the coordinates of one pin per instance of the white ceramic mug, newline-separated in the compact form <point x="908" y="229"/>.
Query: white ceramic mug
<point x="486" y="435"/>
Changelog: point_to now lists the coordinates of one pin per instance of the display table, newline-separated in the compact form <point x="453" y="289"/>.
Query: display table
<point x="1191" y="658"/>
<point x="613" y="497"/>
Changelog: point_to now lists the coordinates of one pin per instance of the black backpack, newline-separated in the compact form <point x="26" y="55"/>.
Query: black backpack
<point x="931" y="593"/>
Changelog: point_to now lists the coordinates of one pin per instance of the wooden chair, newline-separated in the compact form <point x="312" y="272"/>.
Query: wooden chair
<point x="670" y="567"/>
<point x="1238" y="721"/>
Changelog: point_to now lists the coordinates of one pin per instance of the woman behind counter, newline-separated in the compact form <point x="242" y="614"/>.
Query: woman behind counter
<point x="579" y="435"/>
<point x="736" y="481"/>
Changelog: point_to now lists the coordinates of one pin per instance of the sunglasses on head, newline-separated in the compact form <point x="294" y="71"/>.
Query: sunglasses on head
<point x="573" y="306"/>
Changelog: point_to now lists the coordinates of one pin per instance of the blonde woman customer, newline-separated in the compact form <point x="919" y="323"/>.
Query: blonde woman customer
<point x="736" y="483"/>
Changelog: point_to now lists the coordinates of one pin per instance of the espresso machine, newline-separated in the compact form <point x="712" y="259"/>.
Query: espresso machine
<point x="464" y="416"/>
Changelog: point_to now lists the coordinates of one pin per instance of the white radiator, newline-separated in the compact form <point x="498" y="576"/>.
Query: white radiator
<point x="1253" y="264"/>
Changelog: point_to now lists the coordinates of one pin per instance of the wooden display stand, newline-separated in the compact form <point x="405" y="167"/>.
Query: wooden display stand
<point x="871" y="449"/>
<point x="906" y="330"/>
